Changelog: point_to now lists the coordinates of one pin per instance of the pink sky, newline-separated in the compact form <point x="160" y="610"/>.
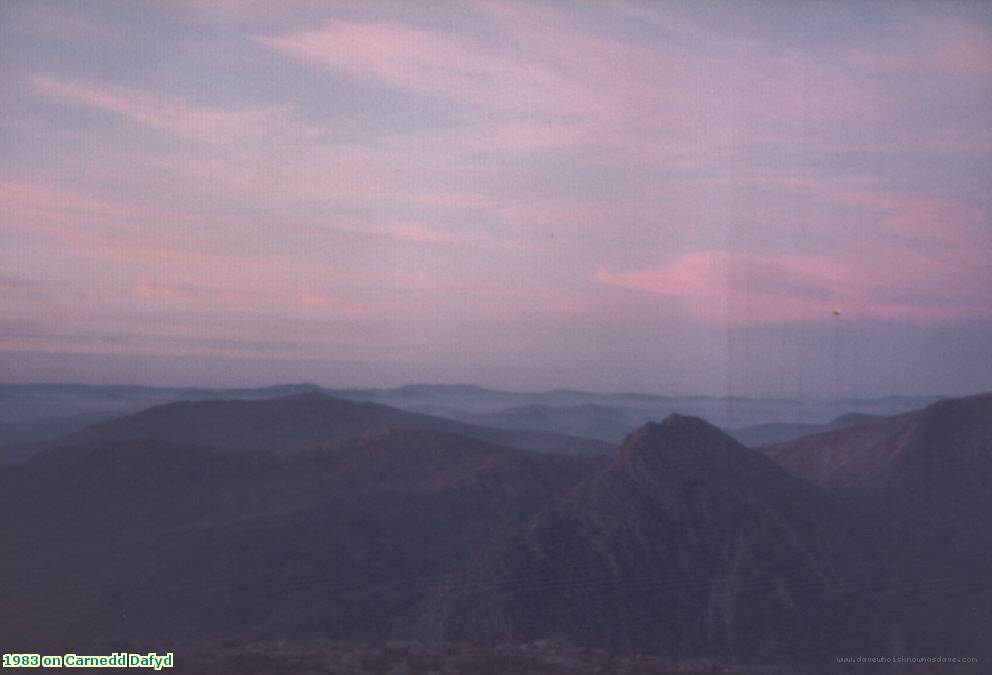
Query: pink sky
<point x="513" y="194"/>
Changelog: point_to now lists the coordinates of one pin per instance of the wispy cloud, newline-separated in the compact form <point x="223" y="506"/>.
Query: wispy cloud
<point x="177" y="116"/>
<point x="564" y="86"/>
<point x="156" y="290"/>
<point x="748" y="288"/>
<point x="935" y="46"/>
<point x="14" y="284"/>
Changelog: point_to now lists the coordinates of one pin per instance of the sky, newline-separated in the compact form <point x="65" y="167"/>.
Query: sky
<point x="726" y="198"/>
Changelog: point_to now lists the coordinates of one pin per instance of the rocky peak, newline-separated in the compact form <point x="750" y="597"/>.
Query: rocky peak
<point x="679" y="443"/>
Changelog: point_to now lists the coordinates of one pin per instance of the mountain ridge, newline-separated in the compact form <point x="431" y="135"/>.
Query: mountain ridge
<point x="301" y="420"/>
<point x="688" y="538"/>
<point x="930" y="467"/>
<point x="681" y="542"/>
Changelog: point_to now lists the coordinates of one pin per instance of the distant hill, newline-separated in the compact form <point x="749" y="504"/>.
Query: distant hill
<point x="592" y="420"/>
<point x="610" y="417"/>
<point x="38" y="413"/>
<point x="33" y="414"/>
<point x="300" y="421"/>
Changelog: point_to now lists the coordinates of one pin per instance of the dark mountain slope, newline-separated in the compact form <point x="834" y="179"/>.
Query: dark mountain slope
<point x="780" y="432"/>
<point x="687" y="544"/>
<point x="589" y="420"/>
<point x="300" y="421"/>
<point x="682" y="543"/>
<point x="929" y="469"/>
<point x="141" y="540"/>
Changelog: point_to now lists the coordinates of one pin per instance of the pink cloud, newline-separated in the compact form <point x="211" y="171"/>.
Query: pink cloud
<point x="175" y="115"/>
<point x="722" y="284"/>
<point x="44" y="198"/>
<point x="425" y="234"/>
<point x="158" y="291"/>
<point x="557" y="70"/>
<point x="11" y="284"/>
<point x="750" y="288"/>
<point x="615" y="103"/>
<point x="65" y="24"/>
<point x="422" y="233"/>
<point x="657" y="104"/>
<point x="884" y="212"/>
<point x="266" y="296"/>
<point x="932" y="46"/>
<point x="413" y="58"/>
<point x="197" y="247"/>
<point x="79" y="219"/>
<point x="609" y="102"/>
<point x="175" y="264"/>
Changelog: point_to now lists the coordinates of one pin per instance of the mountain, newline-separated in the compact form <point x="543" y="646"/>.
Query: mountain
<point x="686" y="544"/>
<point x="926" y="470"/>
<point x="302" y="420"/>
<point x="335" y="521"/>
<point x="135" y="541"/>
<point x="33" y="415"/>
<point x="42" y="429"/>
<point x="590" y="420"/>
<point x="780" y="432"/>
<point x="40" y="413"/>
<point x="611" y="417"/>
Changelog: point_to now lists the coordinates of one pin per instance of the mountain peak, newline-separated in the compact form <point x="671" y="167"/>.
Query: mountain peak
<point x="684" y="422"/>
<point x="675" y="427"/>
<point x="679" y="442"/>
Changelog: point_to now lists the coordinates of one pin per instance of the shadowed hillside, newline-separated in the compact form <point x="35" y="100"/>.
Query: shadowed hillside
<point x="928" y="469"/>
<point x="331" y="524"/>
<point x="144" y="540"/>
<point x="780" y="432"/>
<point x="686" y="544"/>
<point x="302" y="420"/>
